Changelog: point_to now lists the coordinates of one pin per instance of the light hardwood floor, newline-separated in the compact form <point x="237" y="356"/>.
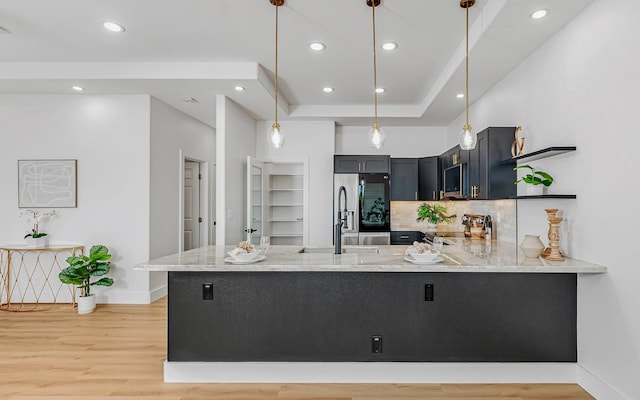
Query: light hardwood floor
<point x="118" y="351"/>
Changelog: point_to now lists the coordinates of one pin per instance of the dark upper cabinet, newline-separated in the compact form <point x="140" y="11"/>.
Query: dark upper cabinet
<point x="489" y="177"/>
<point x="429" y="174"/>
<point x="354" y="164"/>
<point x="404" y="179"/>
<point x="450" y="157"/>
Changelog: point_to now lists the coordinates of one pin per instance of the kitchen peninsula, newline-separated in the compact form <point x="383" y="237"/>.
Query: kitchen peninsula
<point x="482" y="303"/>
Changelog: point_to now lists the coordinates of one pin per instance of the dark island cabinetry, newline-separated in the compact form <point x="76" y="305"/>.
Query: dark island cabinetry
<point x="372" y="316"/>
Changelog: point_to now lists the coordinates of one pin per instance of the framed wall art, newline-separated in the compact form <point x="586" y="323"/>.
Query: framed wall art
<point x="47" y="183"/>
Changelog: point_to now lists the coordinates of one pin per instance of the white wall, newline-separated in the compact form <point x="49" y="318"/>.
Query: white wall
<point x="235" y="140"/>
<point x="172" y="131"/>
<point x="401" y="141"/>
<point x="581" y="88"/>
<point x="312" y="141"/>
<point x="109" y="136"/>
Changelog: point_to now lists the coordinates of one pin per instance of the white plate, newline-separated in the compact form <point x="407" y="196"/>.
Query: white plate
<point x="255" y="260"/>
<point x="414" y="261"/>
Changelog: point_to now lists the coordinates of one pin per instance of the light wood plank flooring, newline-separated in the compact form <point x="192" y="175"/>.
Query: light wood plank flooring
<point x="118" y="351"/>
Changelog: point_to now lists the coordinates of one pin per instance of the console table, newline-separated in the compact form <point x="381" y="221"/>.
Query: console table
<point x="29" y="276"/>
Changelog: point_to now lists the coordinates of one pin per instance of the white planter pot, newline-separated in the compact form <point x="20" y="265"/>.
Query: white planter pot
<point x="532" y="246"/>
<point x="431" y="226"/>
<point x="535" y="190"/>
<point x="37" y="243"/>
<point x="86" y="304"/>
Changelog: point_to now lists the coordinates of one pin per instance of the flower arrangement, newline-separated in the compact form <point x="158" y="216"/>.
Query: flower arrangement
<point x="34" y="218"/>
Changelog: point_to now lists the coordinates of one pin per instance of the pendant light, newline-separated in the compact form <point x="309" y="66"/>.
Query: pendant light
<point x="376" y="134"/>
<point x="468" y="138"/>
<point x="276" y="137"/>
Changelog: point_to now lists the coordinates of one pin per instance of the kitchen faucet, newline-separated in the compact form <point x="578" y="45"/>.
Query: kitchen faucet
<point x="342" y="219"/>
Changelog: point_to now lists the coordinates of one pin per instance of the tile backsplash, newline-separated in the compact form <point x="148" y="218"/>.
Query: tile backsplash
<point x="404" y="213"/>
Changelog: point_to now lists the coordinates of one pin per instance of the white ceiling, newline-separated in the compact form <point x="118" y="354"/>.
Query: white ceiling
<point x="202" y="48"/>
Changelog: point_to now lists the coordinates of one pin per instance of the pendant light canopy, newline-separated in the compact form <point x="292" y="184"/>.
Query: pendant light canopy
<point x="276" y="137"/>
<point x="468" y="138"/>
<point x="376" y="134"/>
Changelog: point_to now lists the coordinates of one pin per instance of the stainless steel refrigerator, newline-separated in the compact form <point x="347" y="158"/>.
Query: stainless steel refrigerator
<point x="367" y="208"/>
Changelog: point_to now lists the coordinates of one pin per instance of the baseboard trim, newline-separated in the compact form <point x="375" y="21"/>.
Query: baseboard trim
<point x="596" y="387"/>
<point x="372" y="372"/>
<point x="158" y="293"/>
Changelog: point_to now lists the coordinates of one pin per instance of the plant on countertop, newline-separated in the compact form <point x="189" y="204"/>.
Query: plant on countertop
<point x="82" y="268"/>
<point x="34" y="218"/>
<point x="535" y="177"/>
<point x="434" y="213"/>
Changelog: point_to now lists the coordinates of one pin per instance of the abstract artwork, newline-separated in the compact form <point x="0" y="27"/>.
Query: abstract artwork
<point x="47" y="183"/>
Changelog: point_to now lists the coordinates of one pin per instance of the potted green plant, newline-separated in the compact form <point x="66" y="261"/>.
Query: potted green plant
<point x="81" y="269"/>
<point x="537" y="181"/>
<point x="434" y="214"/>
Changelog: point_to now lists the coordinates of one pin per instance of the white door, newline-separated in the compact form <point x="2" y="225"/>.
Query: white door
<point x="191" y="205"/>
<point x="254" y="221"/>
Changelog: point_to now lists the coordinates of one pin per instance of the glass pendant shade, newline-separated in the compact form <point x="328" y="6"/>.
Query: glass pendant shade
<point x="376" y="136"/>
<point x="276" y="137"/>
<point x="468" y="138"/>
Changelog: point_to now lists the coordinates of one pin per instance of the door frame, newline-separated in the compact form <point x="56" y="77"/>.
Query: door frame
<point x="205" y="199"/>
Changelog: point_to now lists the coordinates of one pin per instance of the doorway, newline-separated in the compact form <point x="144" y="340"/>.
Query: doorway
<point x="191" y="205"/>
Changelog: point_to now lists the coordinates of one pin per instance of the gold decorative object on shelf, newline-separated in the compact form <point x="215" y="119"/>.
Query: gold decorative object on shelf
<point x="518" y="145"/>
<point x="552" y="253"/>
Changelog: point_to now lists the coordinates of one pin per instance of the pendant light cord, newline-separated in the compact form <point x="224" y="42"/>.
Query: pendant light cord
<point x="375" y="72"/>
<point x="276" y="104"/>
<point x="467" y="68"/>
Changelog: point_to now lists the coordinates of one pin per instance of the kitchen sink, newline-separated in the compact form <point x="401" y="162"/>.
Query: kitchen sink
<point x="353" y="249"/>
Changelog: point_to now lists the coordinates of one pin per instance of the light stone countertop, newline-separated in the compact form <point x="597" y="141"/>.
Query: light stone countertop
<point x="465" y="255"/>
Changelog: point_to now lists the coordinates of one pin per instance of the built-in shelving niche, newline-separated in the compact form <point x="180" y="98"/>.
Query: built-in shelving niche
<point x="286" y="204"/>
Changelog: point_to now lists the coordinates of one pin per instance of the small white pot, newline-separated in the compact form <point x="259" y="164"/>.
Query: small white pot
<point x="535" y="190"/>
<point x="86" y="304"/>
<point x="38" y="243"/>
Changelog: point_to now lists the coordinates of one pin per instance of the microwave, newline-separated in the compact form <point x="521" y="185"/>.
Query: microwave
<point x="453" y="180"/>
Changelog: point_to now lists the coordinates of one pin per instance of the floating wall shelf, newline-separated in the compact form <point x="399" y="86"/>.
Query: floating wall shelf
<point x="544" y="153"/>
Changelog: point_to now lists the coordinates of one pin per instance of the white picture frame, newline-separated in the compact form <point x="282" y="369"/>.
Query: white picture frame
<point x="47" y="183"/>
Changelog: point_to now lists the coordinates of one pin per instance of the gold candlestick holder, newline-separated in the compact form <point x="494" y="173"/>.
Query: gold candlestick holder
<point x="552" y="252"/>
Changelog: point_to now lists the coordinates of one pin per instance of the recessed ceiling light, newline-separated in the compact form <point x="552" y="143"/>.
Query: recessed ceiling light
<point x="190" y="99"/>
<point x="380" y="90"/>
<point x="77" y="88"/>
<point x="113" y="27"/>
<point x="539" y="14"/>
<point x="327" y="89"/>
<point x="317" y="46"/>
<point x="239" y="88"/>
<point x="460" y="95"/>
<point x="388" y="46"/>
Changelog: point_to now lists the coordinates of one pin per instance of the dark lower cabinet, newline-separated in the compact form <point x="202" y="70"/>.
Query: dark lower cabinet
<point x="349" y="316"/>
<point x="406" y="237"/>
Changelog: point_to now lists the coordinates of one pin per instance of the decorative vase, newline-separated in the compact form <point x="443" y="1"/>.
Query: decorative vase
<point x="532" y="246"/>
<point x="37" y="243"/>
<point x="86" y="304"/>
<point x="535" y="190"/>
<point x="431" y="226"/>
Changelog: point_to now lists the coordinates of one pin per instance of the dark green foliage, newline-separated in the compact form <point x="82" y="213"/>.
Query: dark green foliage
<point x="82" y="268"/>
